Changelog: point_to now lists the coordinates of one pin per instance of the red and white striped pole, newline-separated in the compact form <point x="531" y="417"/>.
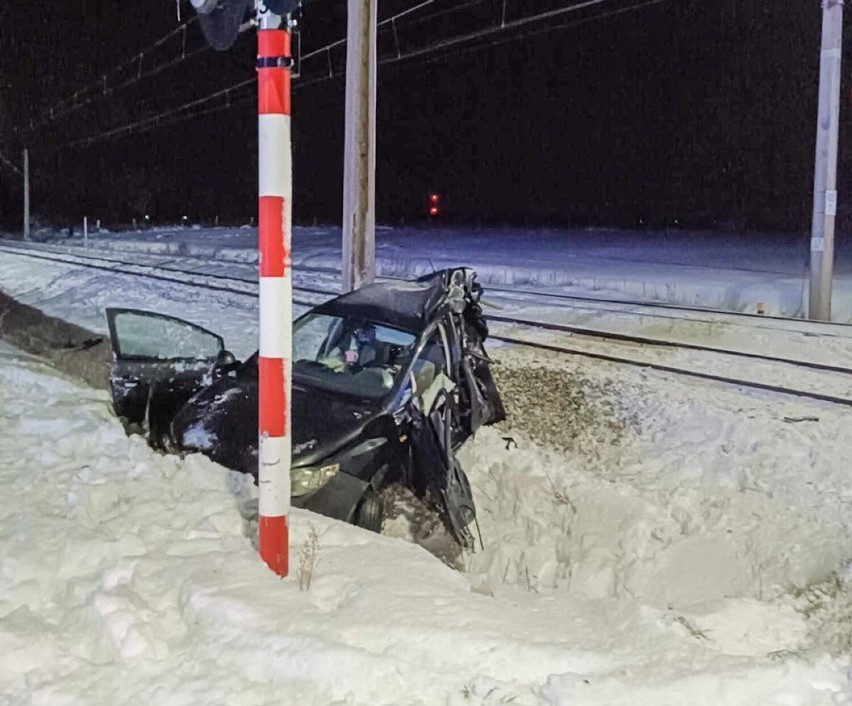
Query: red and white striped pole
<point x="276" y="306"/>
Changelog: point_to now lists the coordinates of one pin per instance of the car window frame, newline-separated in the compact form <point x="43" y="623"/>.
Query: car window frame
<point x="392" y="394"/>
<point x="113" y="312"/>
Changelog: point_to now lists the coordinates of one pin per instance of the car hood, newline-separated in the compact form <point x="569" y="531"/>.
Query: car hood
<point x="323" y="423"/>
<point x="221" y="421"/>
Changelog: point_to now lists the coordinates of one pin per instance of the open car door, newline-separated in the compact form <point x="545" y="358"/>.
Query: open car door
<point x="151" y="349"/>
<point x="479" y="402"/>
<point x="436" y="470"/>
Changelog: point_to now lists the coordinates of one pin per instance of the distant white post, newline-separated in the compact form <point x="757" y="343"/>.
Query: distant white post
<point x="26" y="194"/>
<point x="359" y="165"/>
<point x="825" y="170"/>
<point x="86" y="230"/>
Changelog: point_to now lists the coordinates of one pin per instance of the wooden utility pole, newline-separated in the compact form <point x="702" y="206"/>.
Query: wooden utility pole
<point x="825" y="170"/>
<point x="26" y="194"/>
<point x="359" y="162"/>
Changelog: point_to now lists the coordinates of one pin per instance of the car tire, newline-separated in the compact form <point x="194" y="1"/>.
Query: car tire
<point x="369" y="513"/>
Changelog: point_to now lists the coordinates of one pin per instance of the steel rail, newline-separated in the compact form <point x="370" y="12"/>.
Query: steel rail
<point x="663" y="343"/>
<point x="802" y="323"/>
<point x="151" y="274"/>
<point x="162" y="278"/>
<point x="563" y="328"/>
<point x="766" y="387"/>
<point x="673" y="307"/>
<point x="27" y="251"/>
<point x="530" y="293"/>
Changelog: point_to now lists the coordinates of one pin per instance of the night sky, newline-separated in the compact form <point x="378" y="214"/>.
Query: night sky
<point x="692" y="112"/>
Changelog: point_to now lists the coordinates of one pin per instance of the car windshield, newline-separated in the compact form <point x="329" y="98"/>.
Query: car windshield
<point x="349" y="354"/>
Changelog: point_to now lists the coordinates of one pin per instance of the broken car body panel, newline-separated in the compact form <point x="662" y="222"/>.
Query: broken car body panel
<point x="388" y="382"/>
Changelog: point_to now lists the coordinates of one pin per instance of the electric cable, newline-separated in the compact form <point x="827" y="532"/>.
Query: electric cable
<point x="102" y="86"/>
<point x="169" y="117"/>
<point x="503" y="27"/>
<point x="532" y="33"/>
<point x="508" y="26"/>
<point x="11" y="165"/>
<point x="154" y="120"/>
<point x="86" y="141"/>
<point x="382" y="23"/>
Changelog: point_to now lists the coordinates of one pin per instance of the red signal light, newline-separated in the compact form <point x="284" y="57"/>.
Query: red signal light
<point x="434" y="210"/>
<point x="434" y="198"/>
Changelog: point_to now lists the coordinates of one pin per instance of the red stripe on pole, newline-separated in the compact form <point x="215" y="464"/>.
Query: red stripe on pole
<point x="273" y="42"/>
<point x="275" y="256"/>
<point x="274" y="542"/>
<point x="273" y="88"/>
<point x="273" y="93"/>
<point x="272" y="398"/>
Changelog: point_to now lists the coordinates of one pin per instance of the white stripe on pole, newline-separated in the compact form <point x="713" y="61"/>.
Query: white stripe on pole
<point x="275" y="500"/>
<point x="274" y="160"/>
<point x="276" y="311"/>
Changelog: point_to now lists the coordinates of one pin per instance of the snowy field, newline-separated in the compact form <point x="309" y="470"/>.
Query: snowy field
<point x="730" y="271"/>
<point x="649" y="540"/>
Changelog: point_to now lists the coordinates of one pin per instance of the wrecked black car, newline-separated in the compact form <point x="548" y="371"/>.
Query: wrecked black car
<point x="388" y="382"/>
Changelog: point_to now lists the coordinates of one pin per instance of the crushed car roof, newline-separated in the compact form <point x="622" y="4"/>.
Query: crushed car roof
<point x="404" y="304"/>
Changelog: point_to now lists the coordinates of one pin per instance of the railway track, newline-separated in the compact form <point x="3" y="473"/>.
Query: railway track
<point x="678" y="312"/>
<point x="159" y="272"/>
<point x="814" y="380"/>
<point x="844" y="399"/>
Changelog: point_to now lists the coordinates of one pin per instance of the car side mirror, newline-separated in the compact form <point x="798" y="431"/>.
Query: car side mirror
<point x="225" y="357"/>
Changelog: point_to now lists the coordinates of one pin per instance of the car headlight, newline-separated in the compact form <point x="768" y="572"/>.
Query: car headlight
<point x="305" y="480"/>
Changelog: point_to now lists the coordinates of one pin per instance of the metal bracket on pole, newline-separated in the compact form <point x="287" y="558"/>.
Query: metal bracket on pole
<point x="266" y="19"/>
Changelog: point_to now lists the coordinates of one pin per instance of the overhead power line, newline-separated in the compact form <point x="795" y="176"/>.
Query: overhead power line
<point x="11" y="165"/>
<point x="505" y="26"/>
<point x="167" y="117"/>
<point x="502" y="27"/>
<point x="155" y="119"/>
<point x="384" y="22"/>
<point x="182" y="112"/>
<point x="106" y="84"/>
<point x="532" y="33"/>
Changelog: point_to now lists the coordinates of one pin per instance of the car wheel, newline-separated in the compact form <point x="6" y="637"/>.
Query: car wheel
<point x="369" y="514"/>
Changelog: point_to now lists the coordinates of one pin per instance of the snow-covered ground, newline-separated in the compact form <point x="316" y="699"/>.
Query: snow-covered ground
<point x="735" y="271"/>
<point x="648" y="541"/>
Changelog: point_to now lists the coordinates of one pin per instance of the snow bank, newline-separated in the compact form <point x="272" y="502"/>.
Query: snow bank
<point x="647" y="541"/>
<point x="130" y="578"/>
<point x="678" y="495"/>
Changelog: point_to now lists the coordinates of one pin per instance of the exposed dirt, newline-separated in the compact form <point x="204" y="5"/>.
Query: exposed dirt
<point x="411" y="518"/>
<point x="71" y="349"/>
<point x="828" y="607"/>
